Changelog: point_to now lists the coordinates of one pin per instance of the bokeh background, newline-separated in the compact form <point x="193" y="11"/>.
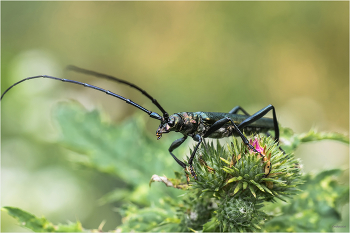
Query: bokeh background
<point x="191" y="56"/>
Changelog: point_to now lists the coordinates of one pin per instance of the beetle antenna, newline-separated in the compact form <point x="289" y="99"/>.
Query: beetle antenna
<point x="93" y="73"/>
<point x="151" y="114"/>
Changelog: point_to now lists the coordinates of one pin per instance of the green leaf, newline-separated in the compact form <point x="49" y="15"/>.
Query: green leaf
<point x="148" y="219"/>
<point x="313" y="135"/>
<point x="125" y="151"/>
<point x="256" y="226"/>
<point x="266" y="189"/>
<point x="315" y="209"/>
<point x="257" y="185"/>
<point x="245" y="184"/>
<point x="211" y="226"/>
<point x="234" y="179"/>
<point x="227" y="162"/>
<point x="252" y="190"/>
<point x="238" y="187"/>
<point x="37" y="224"/>
<point x="229" y="170"/>
<point x="235" y="169"/>
<point x="115" y="195"/>
<point x="291" y="141"/>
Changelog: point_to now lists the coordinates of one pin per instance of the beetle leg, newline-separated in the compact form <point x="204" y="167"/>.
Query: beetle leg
<point x="237" y="108"/>
<point x="260" y="114"/>
<point x="218" y="124"/>
<point x="256" y="116"/>
<point x="199" y="139"/>
<point x="175" y="145"/>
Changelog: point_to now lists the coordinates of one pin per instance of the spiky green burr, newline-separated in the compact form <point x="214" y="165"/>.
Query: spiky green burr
<point x="238" y="214"/>
<point x="241" y="180"/>
<point x="237" y="171"/>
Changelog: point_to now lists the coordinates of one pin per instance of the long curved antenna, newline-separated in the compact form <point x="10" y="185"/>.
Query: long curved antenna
<point x="151" y="114"/>
<point x="93" y="73"/>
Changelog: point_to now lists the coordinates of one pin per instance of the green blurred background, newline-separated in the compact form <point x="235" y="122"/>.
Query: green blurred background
<point x="191" y="56"/>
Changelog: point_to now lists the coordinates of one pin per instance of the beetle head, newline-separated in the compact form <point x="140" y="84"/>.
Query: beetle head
<point x="169" y="124"/>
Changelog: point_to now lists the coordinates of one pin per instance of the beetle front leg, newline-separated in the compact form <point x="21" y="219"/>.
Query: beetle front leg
<point x="175" y="145"/>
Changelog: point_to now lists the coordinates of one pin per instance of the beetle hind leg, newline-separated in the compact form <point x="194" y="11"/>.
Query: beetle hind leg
<point x="218" y="124"/>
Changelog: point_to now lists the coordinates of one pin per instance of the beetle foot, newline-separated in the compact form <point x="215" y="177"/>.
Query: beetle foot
<point x="193" y="173"/>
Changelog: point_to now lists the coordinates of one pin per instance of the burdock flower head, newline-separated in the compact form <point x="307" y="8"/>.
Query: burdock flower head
<point x="240" y="179"/>
<point x="269" y="174"/>
<point x="236" y="181"/>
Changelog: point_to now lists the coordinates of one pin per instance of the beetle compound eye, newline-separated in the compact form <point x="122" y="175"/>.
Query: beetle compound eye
<point x="171" y="123"/>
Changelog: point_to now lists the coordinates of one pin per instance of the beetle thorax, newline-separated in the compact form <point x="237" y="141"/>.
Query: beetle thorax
<point x="189" y="123"/>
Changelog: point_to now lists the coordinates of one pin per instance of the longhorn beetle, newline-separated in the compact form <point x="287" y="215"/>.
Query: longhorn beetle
<point x="197" y="125"/>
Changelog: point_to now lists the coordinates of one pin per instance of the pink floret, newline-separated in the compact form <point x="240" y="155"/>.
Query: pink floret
<point x="256" y="145"/>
